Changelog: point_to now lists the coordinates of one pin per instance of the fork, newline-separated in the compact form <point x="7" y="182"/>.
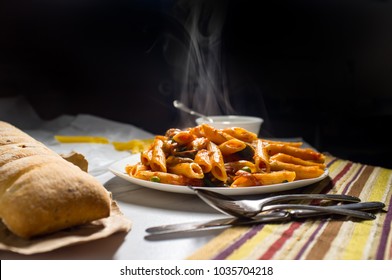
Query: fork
<point x="250" y="208"/>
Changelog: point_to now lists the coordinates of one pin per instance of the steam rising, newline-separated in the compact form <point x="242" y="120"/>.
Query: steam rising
<point x="196" y="54"/>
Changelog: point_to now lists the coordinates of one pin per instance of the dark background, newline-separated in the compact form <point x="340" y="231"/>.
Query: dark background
<point x="320" y="70"/>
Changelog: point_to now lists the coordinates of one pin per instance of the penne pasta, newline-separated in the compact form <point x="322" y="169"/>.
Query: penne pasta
<point x="167" y="178"/>
<point x="145" y="157"/>
<point x="302" y="153"/>
<point x="217" y="163"/>
<point x="260" y="179"/>
<point x="197" y="131"/>
<point x="202" y="158"/>
<point x="135" y="145"/>
<point x="215" y="135"/>
<point x="261" y="157"/>
<point x="290" y="159"/>
<point x="158" y="158"/>
<point x="184" y="137"/>
<point x="240" y="133"/>
<point x="189" y="170"/>
<point x="231" y="146"/>
<point x="159" y="177"/>
<point x="293" y="144"/>
<point x="303" y="172"/>
<point x="199" y="143"/>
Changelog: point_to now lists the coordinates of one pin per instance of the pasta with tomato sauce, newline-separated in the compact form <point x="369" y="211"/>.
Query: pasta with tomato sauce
<point x="230" y="157"/>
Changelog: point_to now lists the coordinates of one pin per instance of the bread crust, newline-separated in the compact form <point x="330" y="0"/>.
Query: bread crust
<point x="40" y="192"/>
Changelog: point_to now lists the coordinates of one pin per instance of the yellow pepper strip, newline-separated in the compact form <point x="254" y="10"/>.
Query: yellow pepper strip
<point x="81" y="139"/>
<point x="135" y="146"/>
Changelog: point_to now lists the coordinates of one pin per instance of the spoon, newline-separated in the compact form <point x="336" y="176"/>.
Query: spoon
<point x="183" y="107"/>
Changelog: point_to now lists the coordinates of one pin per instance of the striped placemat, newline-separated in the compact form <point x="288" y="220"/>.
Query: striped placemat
<point x="315" y="239"/>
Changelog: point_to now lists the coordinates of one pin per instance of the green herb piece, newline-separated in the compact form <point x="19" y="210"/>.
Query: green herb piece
<point x="155" y="179"/>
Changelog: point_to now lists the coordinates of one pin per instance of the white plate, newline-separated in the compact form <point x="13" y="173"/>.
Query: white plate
<point x="118" y="168"/>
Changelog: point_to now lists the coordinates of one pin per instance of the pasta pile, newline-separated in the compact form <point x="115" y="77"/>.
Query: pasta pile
<point x="231" y="157"/>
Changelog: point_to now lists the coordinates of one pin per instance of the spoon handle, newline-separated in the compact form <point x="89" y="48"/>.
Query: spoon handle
<point x="184" y="108"/>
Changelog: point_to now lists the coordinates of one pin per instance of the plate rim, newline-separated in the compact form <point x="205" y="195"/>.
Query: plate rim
<point x="134" y="158"/>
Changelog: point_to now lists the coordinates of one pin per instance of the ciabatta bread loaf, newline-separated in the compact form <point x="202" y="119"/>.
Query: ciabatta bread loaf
<point x="40" y="192"/>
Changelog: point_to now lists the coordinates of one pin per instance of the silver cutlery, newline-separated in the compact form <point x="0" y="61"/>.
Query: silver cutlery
<point x="250" y="208"/>
<point x="273" y="217"/>
<point x="183" y="107"/>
